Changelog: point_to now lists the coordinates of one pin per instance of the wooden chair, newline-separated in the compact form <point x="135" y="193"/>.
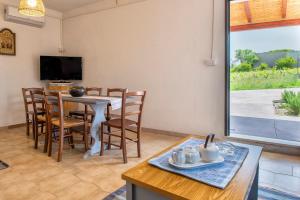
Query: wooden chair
<point x="57" y="121"/>
<point x="39" y="117"/>
<point x="123" y="123"/>
<point x="86" y="113"/>
<point x="29" y="109"/>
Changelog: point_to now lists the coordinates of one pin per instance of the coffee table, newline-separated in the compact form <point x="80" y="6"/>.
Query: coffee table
<point x="147" y="182"/>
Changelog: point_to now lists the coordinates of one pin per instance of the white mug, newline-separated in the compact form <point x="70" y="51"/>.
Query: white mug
<point x="192" y="155"/>
<point x="178" y="156"/>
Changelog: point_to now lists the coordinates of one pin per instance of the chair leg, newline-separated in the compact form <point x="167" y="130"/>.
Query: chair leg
<point x="46" y="139"/>
<point x="71" y="141"/>
<point x="109" y="137"/>
<point x="124" y="151"/>
<point x="42" y="128"/>
<point x="102" y="139"/>
<point x="86" y="138"/>
<point x="27" y="124"/>
<point x="33" y="128"/>
<point x="139" y="144"/>
<point x="36" y="137"/>
<point x="50" y="140"/>
<point x="61" y="144"/>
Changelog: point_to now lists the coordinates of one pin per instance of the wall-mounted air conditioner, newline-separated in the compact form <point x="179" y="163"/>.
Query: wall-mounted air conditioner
<point x="12" y="15"/>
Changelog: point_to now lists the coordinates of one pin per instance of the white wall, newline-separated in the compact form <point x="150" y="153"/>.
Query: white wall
<point x="159" y="46"/>
<point x="22" y="70"/>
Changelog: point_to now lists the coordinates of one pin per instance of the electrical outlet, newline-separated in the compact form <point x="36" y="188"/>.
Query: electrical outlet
<point x="210" y="62"/>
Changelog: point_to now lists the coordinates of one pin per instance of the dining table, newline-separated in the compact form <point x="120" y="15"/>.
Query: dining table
<point x="98" y="104"/>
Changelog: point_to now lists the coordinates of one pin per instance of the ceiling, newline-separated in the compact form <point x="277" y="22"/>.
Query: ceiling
<point x="66" y="5"/>
<point x="255" y="14"/>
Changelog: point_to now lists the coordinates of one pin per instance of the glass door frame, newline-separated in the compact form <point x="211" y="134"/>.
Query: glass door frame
<point x="227" y="67"/>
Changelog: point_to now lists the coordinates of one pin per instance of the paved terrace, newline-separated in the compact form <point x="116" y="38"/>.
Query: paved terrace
<point x="252" y="113"/>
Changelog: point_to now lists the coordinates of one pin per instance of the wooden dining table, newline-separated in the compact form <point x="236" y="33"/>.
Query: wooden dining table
<point x="98" y="104"/>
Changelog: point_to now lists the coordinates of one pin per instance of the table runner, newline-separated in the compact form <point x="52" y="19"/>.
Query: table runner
<point x="218" y="175"/>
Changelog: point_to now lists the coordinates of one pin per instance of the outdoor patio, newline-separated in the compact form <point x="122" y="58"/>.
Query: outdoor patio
<point x="253" y="113"/>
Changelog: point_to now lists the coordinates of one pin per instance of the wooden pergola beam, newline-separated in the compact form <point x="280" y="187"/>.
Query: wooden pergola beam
<point x="248" y="11"/>
<point x="291" y="22"/>
<point x="283" y="8"/>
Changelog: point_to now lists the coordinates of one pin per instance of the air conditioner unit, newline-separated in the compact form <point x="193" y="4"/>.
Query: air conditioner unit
<point x="12" y="15"/>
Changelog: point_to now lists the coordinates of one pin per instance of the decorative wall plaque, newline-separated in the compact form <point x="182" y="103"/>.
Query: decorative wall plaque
<point x="7" y="42"/>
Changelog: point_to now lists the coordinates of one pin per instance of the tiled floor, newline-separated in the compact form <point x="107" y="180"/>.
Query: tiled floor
<point x="280" y="172"/>
<point x="33" y="175"/>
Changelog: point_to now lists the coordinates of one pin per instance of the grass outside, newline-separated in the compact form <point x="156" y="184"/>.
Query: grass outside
<point x="265" y="79"/>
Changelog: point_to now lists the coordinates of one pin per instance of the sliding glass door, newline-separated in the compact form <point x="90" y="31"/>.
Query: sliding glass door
<point x="262" y="69"/>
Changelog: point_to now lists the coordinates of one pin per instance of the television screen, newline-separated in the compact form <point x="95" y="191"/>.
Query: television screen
<point x="60" y="68"/>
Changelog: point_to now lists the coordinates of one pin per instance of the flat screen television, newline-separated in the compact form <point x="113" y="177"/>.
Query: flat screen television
<point x="60" y="68"/>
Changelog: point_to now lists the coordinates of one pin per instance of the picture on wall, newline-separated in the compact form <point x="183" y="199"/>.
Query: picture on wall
<point x="7" y="42"/>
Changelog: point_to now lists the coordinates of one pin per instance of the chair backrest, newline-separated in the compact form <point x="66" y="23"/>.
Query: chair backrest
<point x="93" y="91"/>
<point x="38" y="102"/>
<point x="114" y="92"/>
<point x="27" y="96"/>
<point x="54" y="106"/>
<point x="132" y="103"/>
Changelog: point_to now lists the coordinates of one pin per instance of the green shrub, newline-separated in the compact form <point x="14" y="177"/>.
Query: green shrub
<point x="291" y="102"/>
<point x="263" y="66"/>
<point x="246" y="56"/>
<point x="286" y="95"/>
<point x="285" y="62"/>
<point x="243" y="67"/>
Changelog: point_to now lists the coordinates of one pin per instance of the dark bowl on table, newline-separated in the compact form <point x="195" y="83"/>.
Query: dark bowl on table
<point x="77" y="91"/>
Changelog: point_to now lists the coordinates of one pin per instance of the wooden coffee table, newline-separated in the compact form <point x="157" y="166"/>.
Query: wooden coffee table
<point x="146" y="182"/>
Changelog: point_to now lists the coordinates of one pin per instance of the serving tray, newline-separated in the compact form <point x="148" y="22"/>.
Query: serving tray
<point x="195" y="165"/>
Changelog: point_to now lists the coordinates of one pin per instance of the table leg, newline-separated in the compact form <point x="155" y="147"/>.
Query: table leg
<point x="99" y="110"/>
<point x="253" y="195"/>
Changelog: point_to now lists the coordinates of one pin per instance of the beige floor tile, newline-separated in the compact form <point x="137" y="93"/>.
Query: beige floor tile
<point x="20" y="190"/>
<point x="38" y="195"/>
<point x="99" y="194"/>
<point x="77" y="191"/>
<point x="58" y="182"/>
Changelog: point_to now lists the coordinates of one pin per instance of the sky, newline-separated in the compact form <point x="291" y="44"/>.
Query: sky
<point x="263" y="40"/>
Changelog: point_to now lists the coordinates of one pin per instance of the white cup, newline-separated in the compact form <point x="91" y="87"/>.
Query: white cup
<point x="192" y="155"/>
<point x="178" y="156"/>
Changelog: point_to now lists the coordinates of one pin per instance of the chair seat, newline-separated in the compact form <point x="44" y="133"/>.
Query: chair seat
<point x="69" y="123"/>
<point x="116" y="123"/>
<point x="41" y="118"/>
